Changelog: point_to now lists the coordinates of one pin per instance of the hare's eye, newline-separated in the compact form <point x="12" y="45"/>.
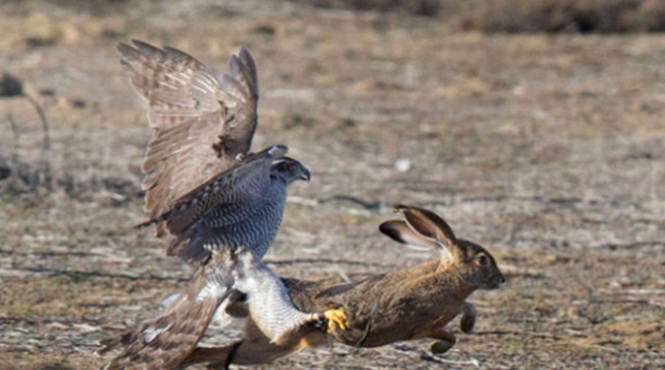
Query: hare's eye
<point x="483" y="260"/>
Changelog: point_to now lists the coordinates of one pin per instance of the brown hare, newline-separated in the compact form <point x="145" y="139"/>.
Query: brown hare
<point x="408" y="304"/>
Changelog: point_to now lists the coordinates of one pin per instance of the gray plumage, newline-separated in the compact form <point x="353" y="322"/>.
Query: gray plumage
<point x="241" y="207"/>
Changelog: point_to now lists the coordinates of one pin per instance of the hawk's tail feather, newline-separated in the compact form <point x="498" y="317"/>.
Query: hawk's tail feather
<point x="165" y="341"/>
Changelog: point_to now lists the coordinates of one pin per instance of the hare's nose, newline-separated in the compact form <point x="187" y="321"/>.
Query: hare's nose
<point x="502" y="280"/>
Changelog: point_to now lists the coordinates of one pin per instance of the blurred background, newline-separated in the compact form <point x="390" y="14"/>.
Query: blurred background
<point x="534" y="127"/>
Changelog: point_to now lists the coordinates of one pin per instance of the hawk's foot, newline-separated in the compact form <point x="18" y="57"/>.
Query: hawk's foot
<point x="336" y="318"/>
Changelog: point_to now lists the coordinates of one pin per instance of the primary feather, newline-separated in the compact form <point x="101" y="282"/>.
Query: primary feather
<point x="200" y="125"/>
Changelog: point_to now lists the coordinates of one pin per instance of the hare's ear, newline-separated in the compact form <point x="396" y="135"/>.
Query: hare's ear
<point x="428" y="224"/>
<point x="400" y="231"/>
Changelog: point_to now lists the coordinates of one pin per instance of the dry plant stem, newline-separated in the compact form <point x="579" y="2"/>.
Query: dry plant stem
<point x="13" y="166"/>
<point x="46" y="144"/>
<point x="15" y="146"/>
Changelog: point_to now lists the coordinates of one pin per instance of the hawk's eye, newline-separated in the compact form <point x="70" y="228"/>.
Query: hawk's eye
<point x="482" y="259"/>
<point x="285" y="166"/>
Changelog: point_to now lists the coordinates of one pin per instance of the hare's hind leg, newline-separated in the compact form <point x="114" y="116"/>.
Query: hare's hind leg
<point x="445" y="341"/>
<point x="215" y="357"/>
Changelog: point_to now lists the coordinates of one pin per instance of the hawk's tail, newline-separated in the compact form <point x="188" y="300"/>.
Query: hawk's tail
<point x="164" y="342"/>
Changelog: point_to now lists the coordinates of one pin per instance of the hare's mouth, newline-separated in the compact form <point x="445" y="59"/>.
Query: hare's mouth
<point x="496" y="283"/>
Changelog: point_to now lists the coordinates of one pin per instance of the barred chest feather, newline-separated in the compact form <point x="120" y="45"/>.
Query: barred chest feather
<point x="252" y="224"/>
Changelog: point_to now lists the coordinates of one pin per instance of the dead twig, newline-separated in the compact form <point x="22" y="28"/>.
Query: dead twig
<point x="516" y="333"/>
<point x="634" y="245"/>
<point x="14" y="158"/>
<point x="50" y="253"/>
<point x="553" y="207"/>
<point x="326" y="261"/>
<point x="46" y="144"/>
<point x="369" y="205"/>
<point x="89" y="274"/>
<point x="594" y="346"/>
<point x="39" y="321"/>
<point x="638" y="301"/>
<point x="471" y="361"/>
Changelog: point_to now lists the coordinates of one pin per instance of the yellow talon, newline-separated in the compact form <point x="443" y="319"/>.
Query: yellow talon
<point x="336" y="318"/>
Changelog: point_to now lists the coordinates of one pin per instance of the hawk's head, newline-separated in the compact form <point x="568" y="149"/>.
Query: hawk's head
<point x="289" y="170"/>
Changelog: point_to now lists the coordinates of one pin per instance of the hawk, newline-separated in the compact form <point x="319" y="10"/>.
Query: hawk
<point x="210" y="198"/>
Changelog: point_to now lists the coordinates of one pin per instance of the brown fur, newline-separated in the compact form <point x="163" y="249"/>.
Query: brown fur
<point x="408" y="304"/>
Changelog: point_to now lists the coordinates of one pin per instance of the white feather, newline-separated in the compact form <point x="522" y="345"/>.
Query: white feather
<point x="168" y="301"/>
<point x="212" y="289"/>
<point x="151" y="333"/>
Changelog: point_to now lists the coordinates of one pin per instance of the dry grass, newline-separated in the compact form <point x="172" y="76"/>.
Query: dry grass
<point x="567" y="16"/>
<point x="516" y="16"/>
<point x="416" y="7"/>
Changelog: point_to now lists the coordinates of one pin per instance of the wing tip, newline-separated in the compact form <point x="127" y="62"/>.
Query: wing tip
<point x="179" y="54"/>
<point x="245" y="55"/>
<point x="142" y="44"/>
<point x="121" y="46"/>
<point x="278" y="150"/>
<point x="126" y="51"/>
<point x="137" y="50"/>
<point x="242" y="66"/>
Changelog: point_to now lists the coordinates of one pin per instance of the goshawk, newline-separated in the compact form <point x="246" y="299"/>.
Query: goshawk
<point x="210" y="198"/>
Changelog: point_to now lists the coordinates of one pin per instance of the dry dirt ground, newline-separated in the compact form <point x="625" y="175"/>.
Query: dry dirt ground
<point x="547" y="150"/>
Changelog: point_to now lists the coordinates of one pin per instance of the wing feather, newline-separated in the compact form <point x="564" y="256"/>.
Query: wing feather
<point x="199" y="123"/>
<point x="165" y="341"/>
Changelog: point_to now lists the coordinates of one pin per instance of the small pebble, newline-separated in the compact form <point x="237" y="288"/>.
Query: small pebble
<point x="403" y="164"/>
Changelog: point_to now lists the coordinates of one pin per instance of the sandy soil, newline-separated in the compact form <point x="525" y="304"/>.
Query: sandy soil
<point x="547" y="150"/>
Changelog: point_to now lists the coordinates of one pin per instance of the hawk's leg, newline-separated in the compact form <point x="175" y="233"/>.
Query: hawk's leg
<point x="270" y="305"/>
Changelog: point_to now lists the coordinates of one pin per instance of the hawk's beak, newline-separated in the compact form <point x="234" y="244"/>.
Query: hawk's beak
<point x="305" y="175"/>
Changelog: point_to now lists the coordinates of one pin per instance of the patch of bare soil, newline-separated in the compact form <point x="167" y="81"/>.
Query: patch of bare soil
<point x="548" y="150"/>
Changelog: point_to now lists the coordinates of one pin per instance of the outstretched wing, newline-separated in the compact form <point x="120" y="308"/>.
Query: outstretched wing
<point x="196" y="119"/>
<point x="164" y="342"/>
<point x="222" y="211"/>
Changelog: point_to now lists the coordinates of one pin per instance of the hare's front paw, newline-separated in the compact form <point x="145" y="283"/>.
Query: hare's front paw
<point x="445" y="341"/>
<point x="468" y="320"/>
<point x="441" y="346"/>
